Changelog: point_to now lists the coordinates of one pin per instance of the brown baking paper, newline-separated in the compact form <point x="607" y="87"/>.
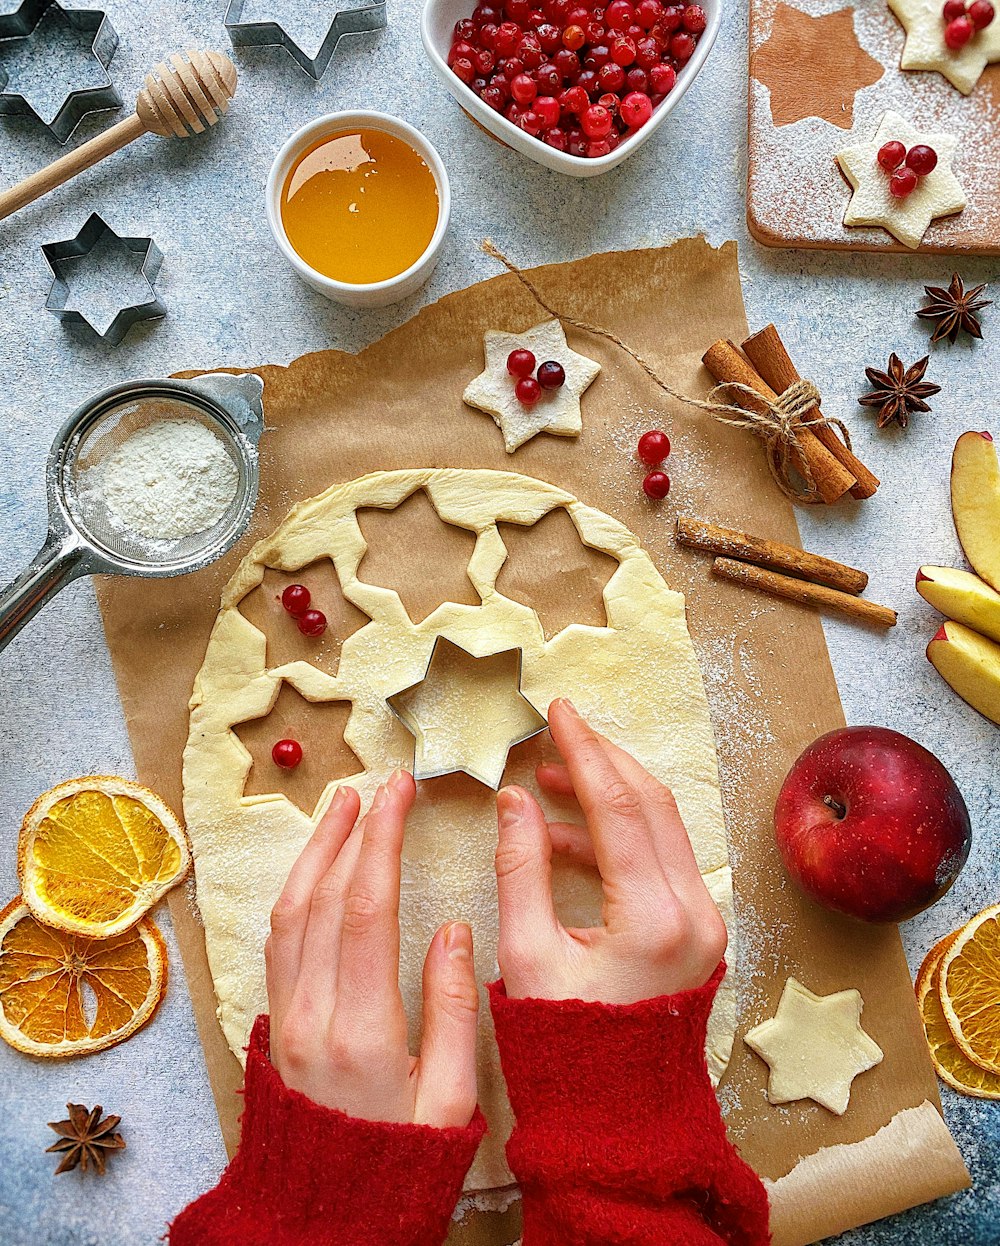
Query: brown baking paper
<point x="332" y="417"/>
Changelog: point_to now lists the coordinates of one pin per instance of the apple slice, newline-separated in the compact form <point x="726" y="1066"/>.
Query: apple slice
<point x="963" y="597"/>
<point x="975" y="502"/>
<point x="970" y="664"/>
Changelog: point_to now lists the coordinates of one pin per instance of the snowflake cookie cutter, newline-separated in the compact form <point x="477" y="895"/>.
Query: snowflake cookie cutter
<point x="95" y="234"/>
<point x="22" y="25"/>
<point x="359" y="20"/>
<point x="493" y="779"/>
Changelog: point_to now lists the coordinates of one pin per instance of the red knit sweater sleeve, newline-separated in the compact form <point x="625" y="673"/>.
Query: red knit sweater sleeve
<point x="619" y="1138"/>
<point x="306" y="1175"/>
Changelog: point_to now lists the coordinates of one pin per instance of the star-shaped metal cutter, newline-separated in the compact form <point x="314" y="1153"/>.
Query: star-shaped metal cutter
<point x="22" y="24"/>
<point x="446" y="745"/>
<point x="357" y="20"/>
<point x="94" y="233"/>
<point x="925" y="47"/>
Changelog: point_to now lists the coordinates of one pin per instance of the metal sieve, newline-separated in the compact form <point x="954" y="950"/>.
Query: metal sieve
<point x="84" y="537"/>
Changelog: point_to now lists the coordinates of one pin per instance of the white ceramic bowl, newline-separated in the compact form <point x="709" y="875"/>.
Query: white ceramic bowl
<point x="437" y="25"/>
<point x="376" y="293"/>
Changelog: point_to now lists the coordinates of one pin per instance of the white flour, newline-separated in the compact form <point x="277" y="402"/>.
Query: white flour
<point x="171" y="479"/>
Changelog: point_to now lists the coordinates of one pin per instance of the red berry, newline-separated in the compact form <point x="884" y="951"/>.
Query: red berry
<point x="958" y="33"/>
<point x="694" y="19"/>
<point x="548" y="110"/>
<point x="550" y="37"/>
<point x="636" y="110"/>
<point x="465" y="30"/>
<point x="619" y="15"/>
<point x="637" y="80"/>
<point x="528" y="391"/>
<point x="296" y="599"/>
<point x="611" y="78"/>
<point x="654" y="447"/>
<point x="981" y="14"/>
<point x="548" y="78"/>
<point x="891" y="155"/>
<point x="551" y="375"/>
<point x="508" y="37"/>
<point x="574" y="37"/>
<point x="574" y="100"/>
<point x="287" y="754"/>
<point x="682" y="47"/>
<point x="596" y="122"/>
<point x="523" y="89"/>
<point x="623" y="51"/>
<point x="903" y="182"/>
<point x="587" y="82"/>
<point x="484" y="61"/>
<point x="530" y="122"/>
<point x="557" y="138"/>
<point x="520" y="363"/>
<point x="952" y="9"/>
<point x="656" y="486"/>
<point x="568" y="64"/>
<point x="312" y="623"/>
<point x="673" y="16"/>
<point x="464" y="69"/>
<point x="495" y="98"/>
<point x="647" y="13"/>
<point x="599" y="147"/>
<point x="922" y="159"/>
<point x="663" y="79"/>
<point x="597" y="56"/>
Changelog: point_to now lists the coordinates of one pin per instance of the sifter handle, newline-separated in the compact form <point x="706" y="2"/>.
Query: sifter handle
<point x="58" y="561"/>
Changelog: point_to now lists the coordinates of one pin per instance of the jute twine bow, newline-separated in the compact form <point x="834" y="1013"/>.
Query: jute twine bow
<point x="776" y="425"/>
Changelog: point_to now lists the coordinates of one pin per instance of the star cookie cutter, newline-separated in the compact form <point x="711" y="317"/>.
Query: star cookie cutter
<point x="360" y="20"/>
<point x="95" y="233"/>
<point x="492" y="781"/>
<point x="22" y="24"/>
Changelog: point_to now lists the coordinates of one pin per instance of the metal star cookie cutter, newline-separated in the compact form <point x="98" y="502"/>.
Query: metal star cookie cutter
<point x="400" y="713"/>
<point x="96" y="233"/>
<point x="363" y="19"/>
<point x="22" y="24"/>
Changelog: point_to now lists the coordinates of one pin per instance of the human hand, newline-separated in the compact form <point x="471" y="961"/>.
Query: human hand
<point x="338" y="1029"/>
<point x="661" y="931"/>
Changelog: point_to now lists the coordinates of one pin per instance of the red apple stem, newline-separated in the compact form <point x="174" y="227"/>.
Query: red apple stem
<point x="839" y="809"/>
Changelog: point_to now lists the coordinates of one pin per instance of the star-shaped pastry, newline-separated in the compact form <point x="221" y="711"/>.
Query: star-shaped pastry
<point x="925" y="48"/>
<point x="815" y="1047"/>
<point x="466" y="714"/>
<point x="938" y="194"/>
<point x="557" y="411"/>
<point x="814" y="66"/>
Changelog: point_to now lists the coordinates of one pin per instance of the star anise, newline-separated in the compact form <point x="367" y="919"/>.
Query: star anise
<point x="954" y="310"/>
<point x="899" y="391"/>
<point x="86" y="1140"/>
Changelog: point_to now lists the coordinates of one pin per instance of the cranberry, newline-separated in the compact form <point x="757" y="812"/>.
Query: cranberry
<point x="549" y="79"/>
<point x="518" y="10"/>
<point x="296" y="599"/>
<point x="312" y="623"/>
<point x="694" y="19"/>
<point x="619" y="15"/>
<point x="488" y="37"/>
<point x="613" y="140"/>
<point x="550" y="37"/>
<point x="597" y="56"/>
<point x="523" y="89"/>
<point x="487" y="15"/>
<point x="656" y="486"/>
<point x="485" y="61"/>
<point x="587" y="81"/>
<point x="891" y="155"/>
<point x="663" y="79"/>
<point x="568" y="64"/>
<point x="577" y="144"/>
<point x="512" y="67"/>
<point x="528" y="391"/>
<point x="548" y="111"/>
<point x="513" y="113"/>
<point x="557" y="138"/>
<point x="495" y="98"/>
<point x="551" y="375"/>
<point x="574" y="37"/>
<point x="647" y="13"/>
<point x="958" y="33"/>
<point x="531" y="123"/>
<point x="479" y="85"/>
<point x="287" y="754"/>
<point x="636" y="110"/>
<point x="903" y="182"/>
<point x="611" y="78"/>
<point x="520" y="363"/>
<point x="508" y="37"/>
<point x="981" y="14"/>
<point x="596" y="121"/>
<point x="530" y="54"/>
<point x="647" y="53"/>
<point x="673" y="17"/>
<point x="596" y="32"/>
<point x="623" y="51"/>
<point x="598" y="147"/>
<point x="922" y="159"/>
<point x="953" y="9"/>
<point x="682" y="47"/>
<point x="609" y="101"/>
<point x="538" y="18"/>
<point x="637" y="80"/>
<point x="558" y="11"/>
<point x="654" y="447"/>
<point x="574" y="99"/>
<point x="464" y="69"/>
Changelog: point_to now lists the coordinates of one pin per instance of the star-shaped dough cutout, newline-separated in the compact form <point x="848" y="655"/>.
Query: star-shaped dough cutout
<point x="466" y="714"/>
<point x="815" y="1047"/>
<point x="557" y="411"/>
<point x="925" y="48"/>
<point x="814" y="66"/>
<point x="938" y="194"/>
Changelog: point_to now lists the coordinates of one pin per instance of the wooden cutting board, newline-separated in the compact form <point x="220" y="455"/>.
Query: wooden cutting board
<point x="822" y="75"/>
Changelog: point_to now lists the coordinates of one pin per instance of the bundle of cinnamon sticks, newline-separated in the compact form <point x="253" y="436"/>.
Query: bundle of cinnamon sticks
<point x="763" y="365"/>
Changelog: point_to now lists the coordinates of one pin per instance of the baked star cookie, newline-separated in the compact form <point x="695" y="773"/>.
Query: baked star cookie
<point x="937" y="193"/>
<point x="557" y="410"/>
<point x="927" y="43"/>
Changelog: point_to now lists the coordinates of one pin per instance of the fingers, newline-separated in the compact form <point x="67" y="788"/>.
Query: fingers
<point x="446" y="1090"/>
<point x="524" y="877"/>
<point x="555" y="779"/>
<point x="572" y="841"/>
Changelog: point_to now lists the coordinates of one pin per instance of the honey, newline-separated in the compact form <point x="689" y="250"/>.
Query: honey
<point x="360" y="206"/>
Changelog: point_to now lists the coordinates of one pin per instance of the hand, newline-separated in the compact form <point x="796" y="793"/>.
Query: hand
<point x="662" y="932"/>
<point x="338" y="1029"/>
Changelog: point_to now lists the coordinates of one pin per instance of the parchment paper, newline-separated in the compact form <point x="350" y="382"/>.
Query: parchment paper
<point x="332" y="417"/>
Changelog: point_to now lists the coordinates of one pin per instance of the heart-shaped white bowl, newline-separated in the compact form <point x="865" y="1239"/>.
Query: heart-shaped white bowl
<point x="437" y="25"/>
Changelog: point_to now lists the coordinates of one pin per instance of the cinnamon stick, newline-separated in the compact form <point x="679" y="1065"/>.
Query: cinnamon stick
<point x="699" y="534"/>
<point x="767" y="353"/>
<point x="803" y="592"/>
<point x="726" y="363"/>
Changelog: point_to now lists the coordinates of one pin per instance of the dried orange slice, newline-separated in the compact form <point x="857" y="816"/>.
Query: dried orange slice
<point x="97" y="853"/>
<point x="949" y="1060"/>
<point x="969" y="985"/>
<point x="64" y="995"/>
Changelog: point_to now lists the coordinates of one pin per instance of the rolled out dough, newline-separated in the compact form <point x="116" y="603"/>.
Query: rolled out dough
<point x="245" y="846"/>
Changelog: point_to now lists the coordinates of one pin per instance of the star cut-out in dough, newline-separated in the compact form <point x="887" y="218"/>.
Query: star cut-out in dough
<point x="938" y="194"/>
<point x="814" y="66"/>
<point x="925" y="47"/>
<point x="815" y="1046"/>
<point x="466" y="714"/>
<point x="557" y="411"/>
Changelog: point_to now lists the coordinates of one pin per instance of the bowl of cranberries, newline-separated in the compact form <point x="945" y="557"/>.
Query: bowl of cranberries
<point x="577" y="85"/>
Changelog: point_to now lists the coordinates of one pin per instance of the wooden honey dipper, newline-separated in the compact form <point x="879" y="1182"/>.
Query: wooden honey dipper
<point x="180" y="98"/>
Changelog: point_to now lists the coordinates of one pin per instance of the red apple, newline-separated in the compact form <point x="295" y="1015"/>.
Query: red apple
<point x="869" y="823"/>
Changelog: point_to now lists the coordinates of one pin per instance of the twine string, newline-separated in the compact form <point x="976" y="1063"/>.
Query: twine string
<point x="775" y="423"/>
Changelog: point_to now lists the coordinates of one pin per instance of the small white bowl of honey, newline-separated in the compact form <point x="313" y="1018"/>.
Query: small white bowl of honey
<point x="359" y="204"/>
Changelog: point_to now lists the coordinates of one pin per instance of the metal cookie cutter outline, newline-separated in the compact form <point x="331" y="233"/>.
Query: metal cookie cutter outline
<point x="402" y="718"/>
<point x="21" y="24"/>
<point x="265" y="34"/>
<point x="94" y="231"/>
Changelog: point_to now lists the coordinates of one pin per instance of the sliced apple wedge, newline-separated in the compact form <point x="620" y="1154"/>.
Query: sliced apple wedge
<point x="970" y="664"/>
<point x="963" y="597"/>
<point x="975" y="503"/>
